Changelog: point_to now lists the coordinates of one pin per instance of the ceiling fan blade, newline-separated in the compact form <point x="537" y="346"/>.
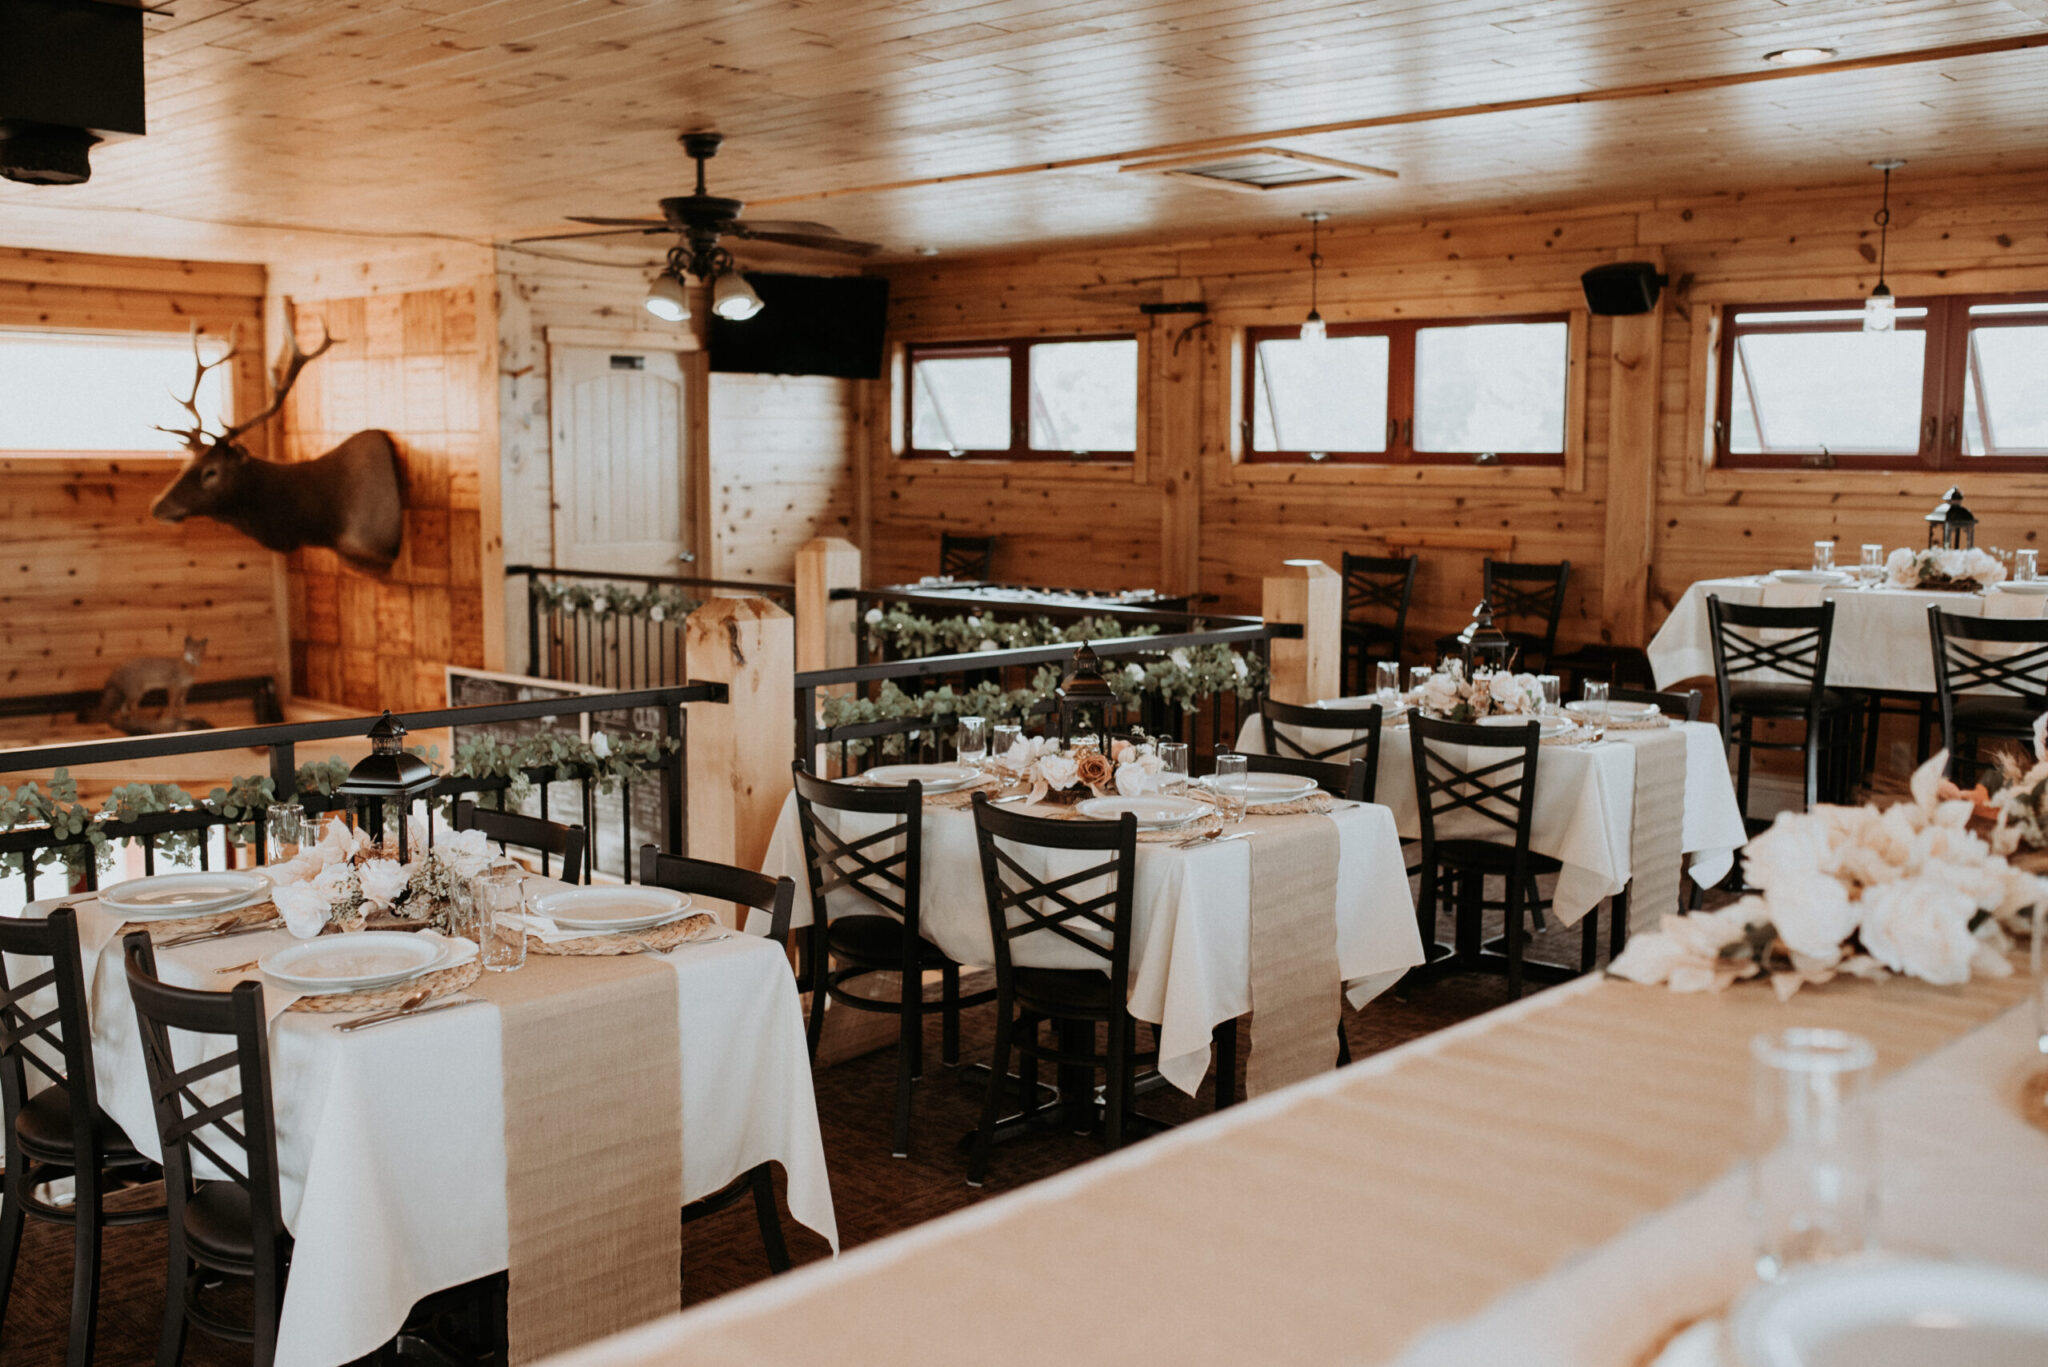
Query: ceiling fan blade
<point x="846" y="246"/>
<point x="596" y="232"/>
<point x="790" y="225"/>
<point x="621" y="222"/>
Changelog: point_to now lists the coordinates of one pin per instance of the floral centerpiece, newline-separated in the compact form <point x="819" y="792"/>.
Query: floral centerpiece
<point x="1962" y="570"/>
<point x="1488" y="693"/>
<point x="1067" y="773"/>
<point x="2019" y="809"/>
<point x="1909" y="890"/>
<point x="343" y="880"/>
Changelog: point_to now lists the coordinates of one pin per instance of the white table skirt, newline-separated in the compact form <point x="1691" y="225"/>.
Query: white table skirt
<point x="1191" y="946"/>
<point x="391" y="1142"/>
<point x="1880" y="638"/>
<point x="1582" y="804"/>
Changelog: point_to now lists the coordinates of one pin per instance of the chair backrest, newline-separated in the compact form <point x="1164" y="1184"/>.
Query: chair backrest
<point x="703" y="878"/>
<point x="230" y="1122"/>
<point x="966" y="557"/>
<point x="1021" y="904"/>
<point x="1684" y="704"/>
<point x="864" y="865"/>
<point x="1352" y="781"/>
<point x="1527" y="596"/>
<point x="50" y="1036"/>
<point x="570" y="843"/>
<point x="1962" y="665"/>
<point x="1749" y="638"/>
<point x="1362" y="723"/>
<point x="1380" y="584"/>
<point x="1497" y="788"/>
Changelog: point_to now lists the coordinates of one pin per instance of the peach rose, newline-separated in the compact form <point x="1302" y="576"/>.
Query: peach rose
<point x="1093" y="768"/>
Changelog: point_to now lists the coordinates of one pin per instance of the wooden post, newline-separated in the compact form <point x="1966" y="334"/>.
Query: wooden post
<point x="1179" y="355"/>
<point x="1312" y="594"/>
<point x="824" y="628"/>
<point x="739" y="750"/>
<point x="1636" y="356"/>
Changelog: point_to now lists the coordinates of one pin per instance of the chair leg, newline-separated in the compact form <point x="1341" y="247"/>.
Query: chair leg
<point x="762" y="1180"/>
<point x="949" y="1037"/>
<point x="1224" y="1037"/>
<point x="170" y="1344"/>
<point x="1513" y="930"/>
<point x="268" y="1307"/>
<point x="1343" y="1037"/>
<point x="1742" y="738"/>
<point x="821" y="978"/>
<point x="85" y="1264"/>
<point x="1116" y="1080"/>
<point x="910" y="1028"/>
<point x="999" y="1070"/>
<point x="11" y="1215"/>
<point x="1617" y="929"/>
<point x="1589" y="941"/>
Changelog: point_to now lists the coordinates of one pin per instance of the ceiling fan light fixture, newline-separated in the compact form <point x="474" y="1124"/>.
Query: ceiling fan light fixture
<point x="667" y="299"/>
<point x="733" y="299"/>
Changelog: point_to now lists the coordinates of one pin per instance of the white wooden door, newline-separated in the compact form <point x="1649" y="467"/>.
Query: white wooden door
<point x="620" y="490"/>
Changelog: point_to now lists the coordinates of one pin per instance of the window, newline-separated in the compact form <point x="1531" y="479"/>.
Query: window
<point x="1065" y="399"/>
<point x="1450" y="392"/>
<point x="1957" y="385"/>
<point x="69" y="392"/>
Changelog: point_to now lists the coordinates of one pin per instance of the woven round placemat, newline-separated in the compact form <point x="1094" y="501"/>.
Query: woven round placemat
<point x="1574" y="736"/>
<point x="199" y="925"/>
<point x="1656" y="723"/>
<point x="443" y="983"/>
<point x="663" y="938"/>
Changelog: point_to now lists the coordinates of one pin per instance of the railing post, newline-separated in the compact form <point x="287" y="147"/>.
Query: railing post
<point x="825" y="629"/>
<point x="532" y="623"/>
<point x="1311" y="594"/>
<point x="739" y="750"/>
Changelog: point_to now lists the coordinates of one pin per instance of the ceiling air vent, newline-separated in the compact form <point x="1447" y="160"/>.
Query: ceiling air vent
<point x="1260" y="169"/>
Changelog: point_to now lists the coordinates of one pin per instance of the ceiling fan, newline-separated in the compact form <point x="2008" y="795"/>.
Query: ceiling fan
<point x="700" y="220"/>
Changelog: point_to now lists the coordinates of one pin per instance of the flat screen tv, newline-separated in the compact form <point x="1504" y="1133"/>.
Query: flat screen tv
<point x="808" y="325"/>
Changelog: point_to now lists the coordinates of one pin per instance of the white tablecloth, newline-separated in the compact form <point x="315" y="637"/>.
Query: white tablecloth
<point x="1880" y="637"/>
<point x="391" y="1142"/>
<point x="1582" y="803"/>
<point x="1191" y="946"/>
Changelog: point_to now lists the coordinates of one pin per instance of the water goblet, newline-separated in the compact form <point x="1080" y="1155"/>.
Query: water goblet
<point x="1596" y="702"/>
<point x="2026" y="566"/>
<point x="1823" y="556"/>
<point x="1232" y="785"/>
<point x="1001" y="737"/>
<point x="284" y="830"/>
<point x="500" y="894"/>
<point x="1388" y="676"/>
<point x="1552" y="687"/>
<point x="970" y="742"/>
<point x="1173" y="766"/>
<point x="1813" y="1179"/>
<point x="1872" y="569"/>
<point x="1418" y="675"/>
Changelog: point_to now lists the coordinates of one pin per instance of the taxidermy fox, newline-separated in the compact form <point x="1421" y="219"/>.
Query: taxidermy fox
<point x="128" y="685"/>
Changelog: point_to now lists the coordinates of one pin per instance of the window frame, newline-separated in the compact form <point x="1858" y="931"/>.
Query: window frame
<point x="1944" y="371"/>
<point x="1018" y="350"/>
<point x="1400" y="448"/>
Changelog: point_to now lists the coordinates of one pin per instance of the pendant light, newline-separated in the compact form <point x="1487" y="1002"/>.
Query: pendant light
<point x="733" y="299"/>
<point x="667" y="299"/>
<point x="1880" y="310"/>
<point x="1312" y="328"/>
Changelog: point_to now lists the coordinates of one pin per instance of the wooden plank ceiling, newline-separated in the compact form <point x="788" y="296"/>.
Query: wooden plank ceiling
<point x="484" y="119"/>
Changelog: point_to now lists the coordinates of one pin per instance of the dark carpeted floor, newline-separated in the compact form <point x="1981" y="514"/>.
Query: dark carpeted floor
<point x="873" y="1193"/>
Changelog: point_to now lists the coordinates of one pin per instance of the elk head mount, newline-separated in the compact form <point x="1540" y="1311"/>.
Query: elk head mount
<point x="351" y="499"/>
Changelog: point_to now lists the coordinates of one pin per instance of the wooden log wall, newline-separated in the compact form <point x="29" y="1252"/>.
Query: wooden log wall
<point x="87" y="578"/>
<point x="1636" y="511"/>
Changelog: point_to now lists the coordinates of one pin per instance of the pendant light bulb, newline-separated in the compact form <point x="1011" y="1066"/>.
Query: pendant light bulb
<point x="733" y="299"/>
<point x="1313" y="329"/>
<point x="1880" y="310"/>
<point x="667" y="299"/>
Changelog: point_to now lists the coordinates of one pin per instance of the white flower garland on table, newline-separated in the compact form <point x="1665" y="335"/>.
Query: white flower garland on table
<point x="1852" y="890"/>
<point x="1488" y="693"/>
<point x="1911" y="569"/>
<point x="1132" y="769"/>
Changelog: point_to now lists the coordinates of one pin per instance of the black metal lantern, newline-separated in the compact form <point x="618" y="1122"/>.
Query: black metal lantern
<point x="1484" y="645"/>
<point x="1084" y="697"/>
<point x="387" y="774"/>
<point x="1951" y="526"/>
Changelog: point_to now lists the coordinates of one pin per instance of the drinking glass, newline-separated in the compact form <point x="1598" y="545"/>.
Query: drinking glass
<point x="1873" y="562"/>
<point x="1813" y="1180"/>
<point x="1418" y="675"/>
<point x="1002" y="736"/>
<point x="2026" y="566"/>
<point x="500" y="894"/>
<point x="1552" y="687"/>
<point x="1389" y="677"/>
<point x="1233" y="775"/>
<point x="2040" y="980"/>
<point x="284" y="828"/>
<point x="1173" y="766"/>
<point x="1596" y="701"/>
<point x="970" y="742"/>
<point x="1823" y="555"/>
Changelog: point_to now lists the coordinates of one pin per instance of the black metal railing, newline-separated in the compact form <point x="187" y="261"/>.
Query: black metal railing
<point x="282" y="742"/>
<point x="613" y="649"/>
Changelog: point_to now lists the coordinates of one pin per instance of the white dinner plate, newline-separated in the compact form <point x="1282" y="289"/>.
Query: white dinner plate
<point x="2034" y="586"/>
<point x="936" y="778"/>
<point x="612" y="908"/>
<point x="1895" y="1312"/>
<point x="1261" y="789"/>
<point x="353" y="962"/>
<point x="1153" y="813"/>
<point x="1546" y="727"/>
<point x="1616" y="711"/>
<point x="1811" y="576"/>
<point x="173" y="896"/>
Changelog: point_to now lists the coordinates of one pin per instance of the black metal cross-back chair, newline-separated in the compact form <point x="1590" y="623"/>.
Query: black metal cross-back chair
<point x="1498" y="790"/>
<point x="1991" y="676"/>
<point x="59" y="1132"/>
<point x="1363" y="723"/>
<point x="966" y="557"/>
<point x="1375" y="584"/>
<point x="885" y="869"/>
<point x="570" y="844"/>
<point x="743" y="888"/>
<point x="1683" y="704"/>
<point x="1022" y="905"/>
<point x="1352" y="782"/>
<point x="233" y="1224"/>
<point x="1749" y="638"/>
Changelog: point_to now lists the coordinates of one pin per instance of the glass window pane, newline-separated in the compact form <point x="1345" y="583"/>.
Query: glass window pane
<point x="1845" y="391"/>
<point x="2008" y="372"/>
<point x="960" y="403"/>
<point x="1084" y="396"/>
<point x="1491" y="387"/>
<point x="1320" y="396"/>
<point x="73" y="392"/>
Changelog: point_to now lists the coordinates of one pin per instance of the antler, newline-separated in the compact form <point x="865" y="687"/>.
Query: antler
<point x="287" y="373"/>
<point x="195" y="435"/>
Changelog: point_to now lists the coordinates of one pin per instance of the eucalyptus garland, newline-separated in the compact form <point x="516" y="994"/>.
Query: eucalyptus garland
<point x="617" y="600"/>
<point x="912" y="636"/>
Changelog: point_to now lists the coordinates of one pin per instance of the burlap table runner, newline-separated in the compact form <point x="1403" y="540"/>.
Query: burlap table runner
<point x="1656" y="825"/>
<point x="593" y="1147"/>
<point x="1295" y="981"/>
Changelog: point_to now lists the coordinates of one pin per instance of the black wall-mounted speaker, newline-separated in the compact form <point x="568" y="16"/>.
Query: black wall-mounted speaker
<point x="70" y="77"/>
<point x="1623" y="288"/>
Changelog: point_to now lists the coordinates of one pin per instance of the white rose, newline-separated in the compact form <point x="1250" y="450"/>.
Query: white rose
<point x="1920" y="928"/>
<point x="1813" y="915"/>
<point x="383" y="881"/>
<point x="1180" y="657"/>
<point x="986" y="645"/>
<point x="468" y="852"/>
<point x="1136" y="673"/>
<point x="1902" y="566"/>
<point x="658" y="613"/>
<point x="600" y="604"/>
<point x="1057" y="771"/>
<point x="295" y="870"/>
<point x="874" y="616"/>
<point x="1243" y="670"/>
<point x="973" y="623"/>
<point x="304" y="906"/>
<point x="1440" y="694"/>
<point x="600" y="744"/>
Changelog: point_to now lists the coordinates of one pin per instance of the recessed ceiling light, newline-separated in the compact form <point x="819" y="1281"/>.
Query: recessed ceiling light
<point x="1799" y="56"/>
<point x="927" y="251"/>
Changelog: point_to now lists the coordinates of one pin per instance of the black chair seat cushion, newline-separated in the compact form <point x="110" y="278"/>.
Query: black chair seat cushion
<point x="44" y="1130"/>
<point x="2007" y="715"/>
<point x="1780" y="699"/>
<point x="876" y="940"/>
<point x="218" y="1225"/>
<point x="1073" y="993"/>
<point x="1489" y="856"/>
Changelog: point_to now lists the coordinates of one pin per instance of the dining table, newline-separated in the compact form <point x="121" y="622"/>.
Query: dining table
<point x="392" y="1141"/>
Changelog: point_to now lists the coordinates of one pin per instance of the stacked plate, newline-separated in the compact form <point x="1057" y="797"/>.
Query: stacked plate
<point x="2028" y="586"/>
<point x="1158" y="813"/>
<point x="1616" y="711"/>
<point x="360" y="962"/>
<point x="1550" y="726"/>
<point x="1261" y="790"/>
<point x="1810" y="576"/>
<point x="612" y="910"/>
<point x="936" y="778"/>
<point x="1894" y="1312"/>
<point x="176" y="896"/>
